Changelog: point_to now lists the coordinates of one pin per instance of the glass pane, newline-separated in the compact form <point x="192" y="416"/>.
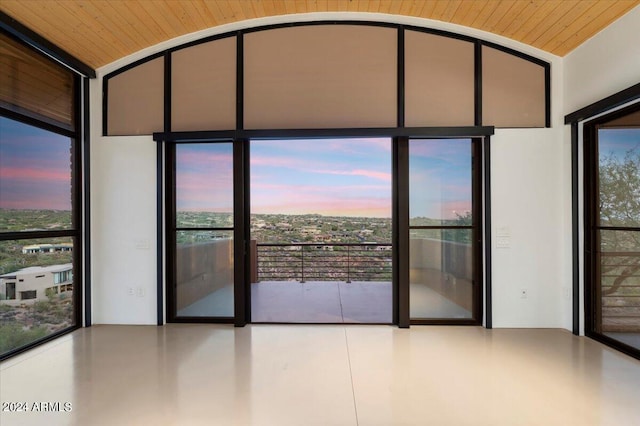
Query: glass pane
<point x="441" y="273"/>
<point x="321" y="231"/>
<point x="36" y="290"/>
<point x="204" y="185"/>
<point x="35" y="178"/>
<point x="203" y="86"/>
<point x="34" y="85"/>
<point x="321" y="76"/>
<point x="136" y="100"/>
<point x="620" y="285"/>
<point x="204" y="274"/>
<point x="440" y="188"/>
<point x="439" y="80"/>
<point x="619" y="177"/>
<point x="513" y="90"/>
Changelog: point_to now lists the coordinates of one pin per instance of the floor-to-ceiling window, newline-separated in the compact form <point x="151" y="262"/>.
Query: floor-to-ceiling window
<point x="320" y="245"/>
<point x="444" y="230"/>
<point x="202" y="232"/>
<point x="321" y="230"/>
<point x="612" y="166"/>
<point x="40" y="224"/>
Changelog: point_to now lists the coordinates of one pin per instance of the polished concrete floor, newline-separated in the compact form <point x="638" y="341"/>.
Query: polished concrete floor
<point x="184" y="374"/>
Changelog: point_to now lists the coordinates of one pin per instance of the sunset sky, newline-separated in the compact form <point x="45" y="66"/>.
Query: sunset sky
<point x="342" y="177"/>
<point x="439" y="178"/>
<point x="34" y="168"/>
<point x="339" y="177"/>
<point x="324" y="176"/>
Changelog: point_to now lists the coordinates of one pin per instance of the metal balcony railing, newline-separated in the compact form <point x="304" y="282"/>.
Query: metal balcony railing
<point x="324" y="262"/>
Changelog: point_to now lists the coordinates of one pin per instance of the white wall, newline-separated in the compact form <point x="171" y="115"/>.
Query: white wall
<point x="531" y="197"/>
<point x="529" y="250"/>
<point x="607" y="63"/>
<point x="123" y="217"/>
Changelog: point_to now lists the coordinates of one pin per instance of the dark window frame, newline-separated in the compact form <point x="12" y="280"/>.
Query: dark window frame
<point x="171" y="229"/>
<point x="401" y="28"/>
<point x="592" y="228"/>
<point x="479" y="136"/>
<point x="477" y="228"/>
<point x="78" y="137"/>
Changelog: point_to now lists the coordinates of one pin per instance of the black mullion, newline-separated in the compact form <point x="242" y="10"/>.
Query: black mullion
<point x="439" y="132"/>
<point x="547" y="95"/>
<point x="160" y="260"/>
<point x="575" y="234"/>
<point x="487" y="233"/>
<point x="239" y="238"/>
<point x="618" y="228"/>
<point x="76" y="191"/>
<point x="247" y="227"/>
<point x="203" y="229"/>
<point x="28" y="235"/>
<point x="477" y="69"/>
<point x="160" y="272"/>
<point x="240" y="80"/>
<point x="401" y="82"/>
<point x="444" y="321"/>
<point x="400" y="253"/>
<point x="440" y="227"/>
<point x="476" y="146"/>
<point x="170" y="233"/>
<point x="86" y="194"/>
<point x="589" y="231"/>
<point x="167" y="92"/>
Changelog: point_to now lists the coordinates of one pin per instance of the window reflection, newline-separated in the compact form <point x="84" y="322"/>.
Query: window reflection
<point x="618" y="257"/>
<point x="441" y="253"/>
<point x="35" y="187"/>
<point x="204" y="185"/>
<point x="36" y="290"/>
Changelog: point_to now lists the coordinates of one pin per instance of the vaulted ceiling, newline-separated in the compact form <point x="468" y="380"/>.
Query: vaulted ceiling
<point x="99" y="32"/>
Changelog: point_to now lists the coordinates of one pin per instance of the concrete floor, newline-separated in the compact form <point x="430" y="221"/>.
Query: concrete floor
<point x="281" y="375"/>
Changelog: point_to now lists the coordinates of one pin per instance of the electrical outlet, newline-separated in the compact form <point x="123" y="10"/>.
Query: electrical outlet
<point x="140" y="291"/>
<point x="141" y="244"/>
<point x="524" y="293"/>
<point x="130" y="291"/>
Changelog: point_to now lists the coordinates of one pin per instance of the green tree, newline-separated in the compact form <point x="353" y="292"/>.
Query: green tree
<point x="619" y="202"/>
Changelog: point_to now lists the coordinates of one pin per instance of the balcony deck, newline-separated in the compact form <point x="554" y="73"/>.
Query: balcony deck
<point x="326" y="302"/>
<point x="327" y="283"/>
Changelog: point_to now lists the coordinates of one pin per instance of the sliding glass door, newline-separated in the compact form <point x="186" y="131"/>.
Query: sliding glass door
<point x="202" y="232"/>
<point x="352" y="230"/>
<point x="613" y="235"/>
<point x="444" y="230"/>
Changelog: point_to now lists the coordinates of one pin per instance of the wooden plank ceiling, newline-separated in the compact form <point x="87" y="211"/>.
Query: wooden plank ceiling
<point x="99" y="32"/>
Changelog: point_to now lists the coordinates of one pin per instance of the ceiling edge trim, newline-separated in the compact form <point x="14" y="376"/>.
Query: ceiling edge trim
<point x="328" y="16"/>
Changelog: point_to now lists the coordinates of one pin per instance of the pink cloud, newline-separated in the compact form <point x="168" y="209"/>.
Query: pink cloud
<point x="191" y="158"/>
<point x="34" y="174"/>
<point x="358" y="172"/>
<point x="275" y="162"/>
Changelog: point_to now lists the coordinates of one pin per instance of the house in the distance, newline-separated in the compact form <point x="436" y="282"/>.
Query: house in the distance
<point x="35" y="283"/>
